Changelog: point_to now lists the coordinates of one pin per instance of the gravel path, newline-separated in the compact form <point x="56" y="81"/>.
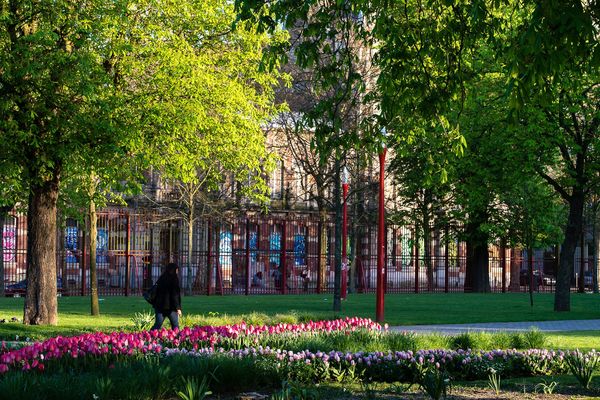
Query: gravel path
<point x="545" y="326"/>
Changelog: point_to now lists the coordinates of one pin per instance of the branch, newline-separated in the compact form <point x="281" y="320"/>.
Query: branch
<point x="557" y="187"/>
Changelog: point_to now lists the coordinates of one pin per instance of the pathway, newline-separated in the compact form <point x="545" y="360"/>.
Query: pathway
<point x="545" y="326"/>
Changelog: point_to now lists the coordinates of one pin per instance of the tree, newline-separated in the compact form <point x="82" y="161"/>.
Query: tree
<point x="568" y="158"/>
<point x="90" y="83"/>
<point x="55" y="93"/>
<point x="205" y="104"/>
<point x="420" y="165"/>
<point x="335" y="57"/>
<point x="533" y="218"/>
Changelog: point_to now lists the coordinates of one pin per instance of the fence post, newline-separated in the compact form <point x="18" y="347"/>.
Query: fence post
<point x="83" y="257"/>
<point x="127" y="251"/>
<point x="446" y="259"/>
<point x="247" y="256"/>
<point x="283" y="258"/>
<point x="503" y="261"/>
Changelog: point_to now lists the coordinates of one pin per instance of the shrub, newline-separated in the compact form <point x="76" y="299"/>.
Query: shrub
<point x="470" y="340"/>
<point x="534" y="339"/>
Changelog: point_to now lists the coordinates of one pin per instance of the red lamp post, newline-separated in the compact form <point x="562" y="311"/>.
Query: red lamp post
<point x="381" y="236"/>
<point x="345" y="179"/>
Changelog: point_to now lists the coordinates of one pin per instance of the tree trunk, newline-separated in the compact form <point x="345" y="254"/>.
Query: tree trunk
<point x="515" y="272"/>
<point x="426" y="220"/>
<point x="477" y="273"/>
<point x="40" y="297"/>
<point x="188" y="284"/>
<point x="201" y="281"/>
<point x="337" y="300"/>
<point x="562" y="296"/>
<point x="95" y="305"/>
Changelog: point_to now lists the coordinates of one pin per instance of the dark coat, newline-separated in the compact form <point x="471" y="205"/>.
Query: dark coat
<point x="168" y="293"/>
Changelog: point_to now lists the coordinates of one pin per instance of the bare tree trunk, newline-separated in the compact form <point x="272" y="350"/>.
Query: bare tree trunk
<point x="95" y="305"/>
<point x="41" y="306"/>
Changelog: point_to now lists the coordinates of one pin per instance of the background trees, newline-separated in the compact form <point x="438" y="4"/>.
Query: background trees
<point x="548" y="62"/>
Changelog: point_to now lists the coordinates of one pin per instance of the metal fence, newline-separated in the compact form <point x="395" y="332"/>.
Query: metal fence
<point x="258" y="254"/>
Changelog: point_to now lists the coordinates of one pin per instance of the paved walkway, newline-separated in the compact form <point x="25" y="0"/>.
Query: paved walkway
<point x="546" y="326"/>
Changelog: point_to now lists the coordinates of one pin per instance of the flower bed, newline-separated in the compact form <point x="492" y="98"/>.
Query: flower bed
<point x="127" y="344"/>
<point x="404" y="366"/>
<point x="242" y="357"/>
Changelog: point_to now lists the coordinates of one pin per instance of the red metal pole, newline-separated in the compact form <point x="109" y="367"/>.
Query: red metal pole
<point x="344" y="288"/>
<point x="380" y="240"/>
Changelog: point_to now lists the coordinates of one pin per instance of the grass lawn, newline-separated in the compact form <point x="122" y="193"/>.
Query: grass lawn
<point x="399" y="310"/>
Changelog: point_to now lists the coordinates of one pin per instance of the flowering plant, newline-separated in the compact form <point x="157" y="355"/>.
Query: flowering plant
<point x="117" y="344"/>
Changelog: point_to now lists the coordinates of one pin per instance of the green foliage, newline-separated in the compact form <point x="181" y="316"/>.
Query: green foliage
<point x="369" y="388"/>
<point x="142" y="321"/>
<point x="207" y="123"/>
<point x="494" y="381"/>
<point x="103" y="389"/>
<point x="193" y="389"/>
<point x="435" y="382"/>
<point x="545" y="387"/>
<point x="582" y="367"/>
<point x="295" y="391"/>
<point x="534" y="339"/>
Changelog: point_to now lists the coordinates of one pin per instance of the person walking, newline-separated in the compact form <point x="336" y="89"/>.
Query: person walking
<point x="168" y="298"/>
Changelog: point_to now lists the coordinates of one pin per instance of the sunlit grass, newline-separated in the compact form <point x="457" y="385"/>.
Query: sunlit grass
<point x="116" y="312"/>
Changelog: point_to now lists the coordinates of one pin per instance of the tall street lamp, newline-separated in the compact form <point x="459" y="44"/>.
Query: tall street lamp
<point x="381" y="233"/>
<point x="345" y="180"/>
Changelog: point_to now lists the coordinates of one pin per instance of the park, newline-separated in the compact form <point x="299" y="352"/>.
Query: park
<point x="307" y="199"/>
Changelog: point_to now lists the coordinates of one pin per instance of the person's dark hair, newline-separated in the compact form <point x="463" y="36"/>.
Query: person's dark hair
<point x="171" y="268"/>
